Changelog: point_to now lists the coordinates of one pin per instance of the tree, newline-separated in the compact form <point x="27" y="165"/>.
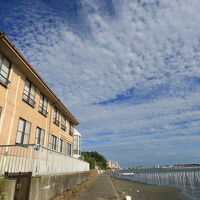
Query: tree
<point x="94" y="159"/>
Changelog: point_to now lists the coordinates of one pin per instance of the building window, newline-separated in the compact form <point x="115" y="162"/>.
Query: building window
<point x="68" y="149"/>
<point x="39" y="136"/>
<point x="77" y="144"/>
<point x="71" y="129"/>
<point x="43" y="105"/>
<point x="53" y="142"/>
<point x="29" y="93"/>
<point x="56" y="116"/>
<point x="23" y="132"/>
<point x="4" y="70"/>
<point x="61" y="146"/>
<point x="63" y="122"/>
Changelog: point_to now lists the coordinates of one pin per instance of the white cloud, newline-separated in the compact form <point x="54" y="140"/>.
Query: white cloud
<point x="140" y="47"/>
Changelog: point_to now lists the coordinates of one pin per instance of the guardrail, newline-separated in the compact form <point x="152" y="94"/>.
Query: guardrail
<point x="38" y="159"/>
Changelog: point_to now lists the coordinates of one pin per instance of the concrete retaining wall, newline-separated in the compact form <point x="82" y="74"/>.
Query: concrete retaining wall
<point x="10" y="189"/>
<point x="50" y="186"/>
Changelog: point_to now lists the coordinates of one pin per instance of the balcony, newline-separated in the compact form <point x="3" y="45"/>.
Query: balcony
<point x="55" y="121"/>
<point x="42" y="111"/>
<point x="63" y="127"/>
<point x="28" y="100"/>
<point x="4" y="81"/>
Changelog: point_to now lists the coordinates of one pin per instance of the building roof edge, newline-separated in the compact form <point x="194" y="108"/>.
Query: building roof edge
<point x="3" y="35"/>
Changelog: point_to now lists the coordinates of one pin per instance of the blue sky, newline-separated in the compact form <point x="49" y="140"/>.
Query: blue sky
<point x="129" y="70"/>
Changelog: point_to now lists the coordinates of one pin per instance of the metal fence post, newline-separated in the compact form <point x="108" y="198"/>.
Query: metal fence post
<point x="38" y="161"/>
<point x="31" y="156"/>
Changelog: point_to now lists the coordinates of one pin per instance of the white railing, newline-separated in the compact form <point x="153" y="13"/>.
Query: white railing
<point x="37" y="159"/>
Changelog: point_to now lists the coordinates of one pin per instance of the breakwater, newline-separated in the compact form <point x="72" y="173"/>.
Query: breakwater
<point x="187" y="179"/>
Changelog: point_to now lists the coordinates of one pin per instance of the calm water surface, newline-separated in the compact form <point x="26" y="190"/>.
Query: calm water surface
<point x="188" y="179"/>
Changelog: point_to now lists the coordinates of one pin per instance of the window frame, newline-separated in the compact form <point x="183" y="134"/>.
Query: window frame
<point x="63" y="122"/>
<point x="28" y="96"/>
<point x="56" y="115"/>
<point x="76" y="142"/>
<point x="6" y="83"/>
<point x="68" y="149"/>
<point x="61" y="146"/>
<point x="53" y="143"/>
<point x="44" y="109"/>
<point x="41" y="131"/>
<point x="25" y="122"/>
<point x="70" y="129"/>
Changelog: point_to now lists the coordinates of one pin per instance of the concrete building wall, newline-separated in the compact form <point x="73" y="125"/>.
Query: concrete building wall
<point x="13" y="106"/>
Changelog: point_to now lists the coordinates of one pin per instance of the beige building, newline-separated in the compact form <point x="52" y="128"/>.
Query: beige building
<point x="112" y="165"/>
<point x="30" y="113"/>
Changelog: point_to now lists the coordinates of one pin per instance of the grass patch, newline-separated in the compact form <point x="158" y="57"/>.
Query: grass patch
<point x="2" y="187"/>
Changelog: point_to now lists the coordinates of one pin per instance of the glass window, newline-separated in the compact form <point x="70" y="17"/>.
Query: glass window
<point x="39" y="136"/>
<point x="79" y="145"/>
<point x="43" y="105"/>
<point x="61" y="146"/>
<point x="75" y="142"/>
<point x="63" y="122"/>
<point x="29" y="93"/>
<point x="23" y="132"/>
<point x="4" y="70"/>
<point x="53" y="142"/>
<point x="56" y="116"/>
<point x="69" y="149"/>
<point x="71" y="128"/>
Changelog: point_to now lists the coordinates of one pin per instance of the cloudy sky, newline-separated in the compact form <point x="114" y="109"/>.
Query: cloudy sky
<point x="129" y="71"/>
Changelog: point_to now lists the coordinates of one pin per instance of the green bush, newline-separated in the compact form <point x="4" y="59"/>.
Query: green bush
<point x="94" y="159"/>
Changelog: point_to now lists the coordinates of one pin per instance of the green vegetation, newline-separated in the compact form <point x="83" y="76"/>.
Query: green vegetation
<point x="94" y="159"/>
<point x="2" y="185"/>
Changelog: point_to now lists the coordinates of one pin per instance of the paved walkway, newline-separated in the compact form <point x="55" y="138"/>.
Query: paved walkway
<point x="101" y="189"/>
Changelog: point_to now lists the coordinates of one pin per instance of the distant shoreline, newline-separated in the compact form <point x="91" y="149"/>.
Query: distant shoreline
<point x="145" y="191"/>
<point x="157" y="168"/>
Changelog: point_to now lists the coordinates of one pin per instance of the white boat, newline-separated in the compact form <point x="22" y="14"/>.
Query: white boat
<point x="127" y="173"/>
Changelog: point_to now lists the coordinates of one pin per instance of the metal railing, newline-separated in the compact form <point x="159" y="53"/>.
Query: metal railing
<point x="37" y="159"/>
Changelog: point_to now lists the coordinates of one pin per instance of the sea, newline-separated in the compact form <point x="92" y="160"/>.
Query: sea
<point x="187" y="179"/>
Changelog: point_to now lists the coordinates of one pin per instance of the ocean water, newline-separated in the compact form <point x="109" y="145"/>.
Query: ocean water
<point x="187" y="179"/>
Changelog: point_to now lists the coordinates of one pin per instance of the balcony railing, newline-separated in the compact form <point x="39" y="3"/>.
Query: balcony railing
<point x="37" y="159"/>
<point x="55" y="121"/>
<point x="42" y="111"/>
<point x="4" y="81"/>
<point x="63" y="126"/>
<point x="28" y="100"/>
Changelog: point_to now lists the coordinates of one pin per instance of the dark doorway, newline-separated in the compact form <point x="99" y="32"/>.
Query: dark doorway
<point x="23" y="184"/>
